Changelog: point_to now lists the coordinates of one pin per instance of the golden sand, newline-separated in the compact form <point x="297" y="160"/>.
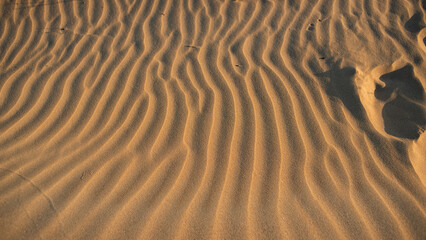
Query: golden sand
<point x="212" y="119"/>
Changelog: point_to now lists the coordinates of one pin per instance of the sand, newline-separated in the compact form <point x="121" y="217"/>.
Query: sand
<point x="212" y="119"/>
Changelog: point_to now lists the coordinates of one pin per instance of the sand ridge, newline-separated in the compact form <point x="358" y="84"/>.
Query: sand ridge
<point x="233" y="119"/>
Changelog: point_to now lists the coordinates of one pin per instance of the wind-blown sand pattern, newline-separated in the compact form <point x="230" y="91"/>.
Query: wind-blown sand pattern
<point x="212" y="119"/>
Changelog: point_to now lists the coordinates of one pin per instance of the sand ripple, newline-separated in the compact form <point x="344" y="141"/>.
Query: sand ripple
<point x="234" y="119"/>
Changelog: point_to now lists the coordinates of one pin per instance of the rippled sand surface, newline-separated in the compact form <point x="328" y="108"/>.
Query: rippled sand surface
<point x="212" y="119"/>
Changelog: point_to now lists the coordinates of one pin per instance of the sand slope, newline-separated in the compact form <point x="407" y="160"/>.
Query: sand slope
<point x="211" y="119"/>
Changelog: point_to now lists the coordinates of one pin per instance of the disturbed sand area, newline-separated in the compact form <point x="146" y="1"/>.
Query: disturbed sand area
<point x="212" y="119"/>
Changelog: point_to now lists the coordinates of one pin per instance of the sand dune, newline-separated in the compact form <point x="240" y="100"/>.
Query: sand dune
<point x="231" y="119"/>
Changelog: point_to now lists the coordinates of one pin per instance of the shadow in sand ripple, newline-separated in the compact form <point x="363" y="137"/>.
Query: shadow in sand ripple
<point x="341" y="85"/>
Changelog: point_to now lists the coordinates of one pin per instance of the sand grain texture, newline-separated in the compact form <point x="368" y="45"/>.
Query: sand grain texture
<point x="232" y="119"/>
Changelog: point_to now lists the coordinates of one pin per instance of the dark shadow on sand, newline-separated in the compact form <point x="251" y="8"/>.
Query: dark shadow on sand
<point x="403" y="114"/>
<point x="341" y="85"/>
<point x="414" y="24"/>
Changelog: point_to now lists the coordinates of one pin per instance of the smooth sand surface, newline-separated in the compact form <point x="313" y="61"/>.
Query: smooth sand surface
<point x="212" y="119"/>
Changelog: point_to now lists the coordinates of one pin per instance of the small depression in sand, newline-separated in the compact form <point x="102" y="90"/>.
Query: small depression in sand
<point x="404" y="110"/>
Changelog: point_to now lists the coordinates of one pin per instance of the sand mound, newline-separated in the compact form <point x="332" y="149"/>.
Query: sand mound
<point x="417" y="154"/>
<point x="231" y="119"/>
<point x="395" y="101"/>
